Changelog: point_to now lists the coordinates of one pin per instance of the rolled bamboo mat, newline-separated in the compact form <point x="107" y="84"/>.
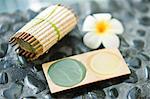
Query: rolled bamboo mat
<point x="42" y="32"/>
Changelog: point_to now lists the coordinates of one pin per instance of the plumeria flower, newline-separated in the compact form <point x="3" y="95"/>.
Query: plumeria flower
<point x="101" y="28"/>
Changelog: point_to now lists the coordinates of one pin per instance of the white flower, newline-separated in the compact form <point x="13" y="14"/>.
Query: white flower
<point x="101" y="28"/>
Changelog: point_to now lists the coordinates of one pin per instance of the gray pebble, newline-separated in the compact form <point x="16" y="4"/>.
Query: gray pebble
<point x="113" y="93"/>
<point x="30" y="14"/>
<point x="134" y="93"/>
<point x="13" y="92"/>
<point x="135" y="62"/>
<point x="147" y="71"/>
<point x="132" y="78"/>
<point x="4" y="27"/>
<point x="3" y="49"/>
<point x="145" y="21"/>
<point x="100" y="94"/>
<point x="139" y="44"/>
<point x="18" y="26"/>
<point x="3" y="78"/>
<point x="141" y="32"/>
<point x="29" y="97"/>
<point x="35" y="84"/>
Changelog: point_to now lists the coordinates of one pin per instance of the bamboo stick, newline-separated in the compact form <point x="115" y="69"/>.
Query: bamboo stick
<point x="44" y="31"/>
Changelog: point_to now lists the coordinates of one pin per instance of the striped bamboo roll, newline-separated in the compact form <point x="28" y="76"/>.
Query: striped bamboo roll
<point x="42" y="32"/>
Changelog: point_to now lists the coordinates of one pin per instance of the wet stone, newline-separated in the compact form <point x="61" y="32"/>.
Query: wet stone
<point x="113" y="93"/>
<point x="142" y="8"/>
<point x="115" y="6"/>
<point x="143" y="74"/>
<point x="127" y="53"/>
<point x="144" y="56"/>
<point x="4" y="27"/>
<point x="17" y="16"/>
<point x="5" y="17"/>
<point x="35" y="84"/>
<point x="30" y="14"/>
<point x="91" y="95"/>
<point x="135" y="62"/>
<point x="7" y="64"/>
<point x="13" y="92"/>
<point x="141" y="32"/>
<point x="95" y="8"/>
<point x="16" y="74"/>
<point x="100" y="94"/>
<point x="29" y="97"/>
<point x="18" y="26"/>
<point x="139" y="44"/>
<point x="3" y="49"/>
<point x="145" y="21"/>
<point x="134" y="93"/>
<point x="123" y="42"/>
<point x="57" y="55"/>
<point x="147" y="71"/>
<point x="3" y="78"/>
<point x="132" y="78"/>
<point x="66" y="49"/>
<point x="22" y="60"/>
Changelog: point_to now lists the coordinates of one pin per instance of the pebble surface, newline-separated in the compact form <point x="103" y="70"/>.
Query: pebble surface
<point x="24" y="80"/>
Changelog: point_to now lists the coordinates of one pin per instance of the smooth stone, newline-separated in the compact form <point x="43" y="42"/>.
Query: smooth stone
<point x="18" y="26"/>
<point x="129" y="52"/>
<point x="16" y="74"/>
<point x="145" y="90"/>
<point x="142" y="7"/>
<point x="8" y="64"/>
<point x="35" y="84"/>
<point x="22" y="60"/>
<point x="100" y="94"/>
<point x="135" y="62"/>
<point x="123" y="42"/>
<point x="146" y="1"/>
<point x="4" y="27"/>
<point x="144" y="56"/>
<point x="13" y="92"/>
<point x="139" y="44"/>
<point x="143" y="74"/>
<point x="91" y="95"/>
<point x="134" y="93"/>
<point x="113" y="93"/>
<point x="95" y="8"/>
<point x="76" y="44"/>
<point x="57" y="55"/>
<point x="3" y="78"/>
<point x="30" y="14"/>
<point x="3" y="49"/>
<point x="114" y="6"/>
<point x="145" y="21"/>
<point x="67" y="72"/>
<point x="29" y="97"/>
<point x="47" y="96"/>
<point x="132" y="78"/>
<point x="141" y="32"/>
<point x="5" y="17"/>
<point x="17" y="16"/>
<point x="66" y="49"/>
<point x="147" y="71"/>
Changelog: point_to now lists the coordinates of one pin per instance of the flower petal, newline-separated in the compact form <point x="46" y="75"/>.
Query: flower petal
<point x="89" y="24"/>
<point x="116" y="26"/>
<point x="102" y="16"/>
<point x="91" y="40"/>
<point x="111" y="41"/>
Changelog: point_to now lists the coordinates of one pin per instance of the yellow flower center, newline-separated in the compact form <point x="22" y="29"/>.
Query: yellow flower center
<point x="102" y="27"/>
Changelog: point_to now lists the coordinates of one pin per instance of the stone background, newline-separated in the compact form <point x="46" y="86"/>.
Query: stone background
<point x="20" y="79"/>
